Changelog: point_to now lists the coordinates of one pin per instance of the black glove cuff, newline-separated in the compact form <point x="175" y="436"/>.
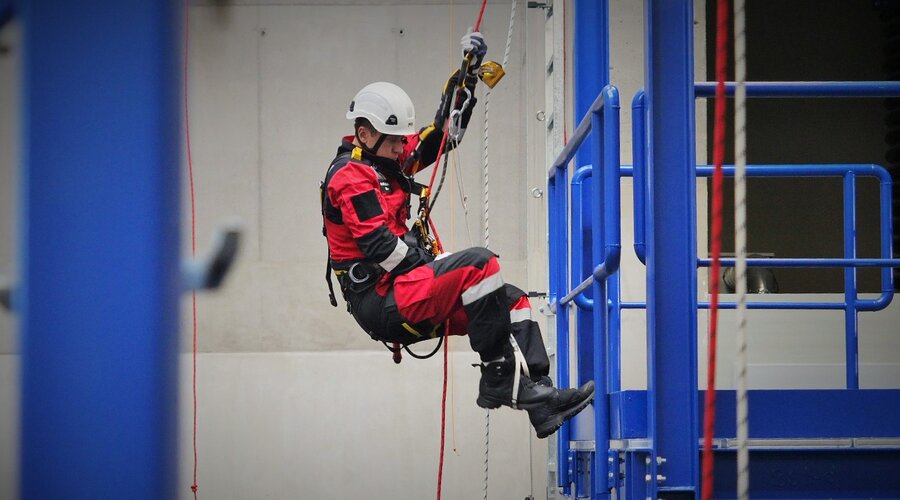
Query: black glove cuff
<point x="467" y="114"/>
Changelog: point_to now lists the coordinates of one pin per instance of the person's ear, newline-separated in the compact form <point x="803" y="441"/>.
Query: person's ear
<point x="365" y="135"/>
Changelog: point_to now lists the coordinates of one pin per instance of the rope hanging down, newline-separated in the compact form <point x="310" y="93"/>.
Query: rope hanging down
<point x="463" y="71"/>
<point x="740" y="246"/>
<point x="187" y="132"/>
<point x="715" y="243"/>
<point x="487" y="103"/>
<point x="486" y="220"/>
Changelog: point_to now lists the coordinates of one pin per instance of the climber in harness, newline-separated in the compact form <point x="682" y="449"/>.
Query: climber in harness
<point x="395" y="286"/>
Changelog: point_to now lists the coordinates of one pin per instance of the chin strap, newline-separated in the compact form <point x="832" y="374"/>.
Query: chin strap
<point x="374" y="149"/>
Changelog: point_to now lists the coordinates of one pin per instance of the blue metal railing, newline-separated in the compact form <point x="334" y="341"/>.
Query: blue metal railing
<point x="804" y="89"/>
<point x="601" y="123"/>
<point x="851" y="304"/>
<point x="597" y="281"/>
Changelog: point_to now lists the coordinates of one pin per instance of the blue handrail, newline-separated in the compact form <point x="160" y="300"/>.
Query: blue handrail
<point x="608" y="190"/>
<point x="851" y="305"/>
<point x="578" y="228"/>
<point x="601" y="124"/>
<point x="639" y="150"/>
<point x="804" y="89"/>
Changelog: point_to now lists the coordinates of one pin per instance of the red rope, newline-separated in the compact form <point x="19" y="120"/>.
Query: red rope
<point x="443" y="414"/>
<point x="187" y="131"/>
<point x="480" y="15"/>
<point x="715" y="243"/>
<point x="437" y="162"/>
<point x="440" y="247"/>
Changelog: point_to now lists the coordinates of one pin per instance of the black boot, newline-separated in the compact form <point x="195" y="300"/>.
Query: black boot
<point x="496" y="387"/>
<point x="559" y="407"/>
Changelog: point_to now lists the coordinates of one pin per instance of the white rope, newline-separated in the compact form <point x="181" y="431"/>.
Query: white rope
<point x="486" y="221"/>
<point x="484" y="156"/>
<point x="487" y="447"/>
<point x="740" y="245"/>
<point x="463" y="197"/>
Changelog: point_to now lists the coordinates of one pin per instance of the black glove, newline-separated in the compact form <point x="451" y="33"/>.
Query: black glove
<point x="443" y="111"/>
<point x="411" y="238"/>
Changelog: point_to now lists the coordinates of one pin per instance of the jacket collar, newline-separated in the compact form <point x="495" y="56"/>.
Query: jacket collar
<point x="381" y="163"/>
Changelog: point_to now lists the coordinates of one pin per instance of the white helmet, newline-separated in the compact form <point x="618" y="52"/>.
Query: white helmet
<point x="387" y="107"/>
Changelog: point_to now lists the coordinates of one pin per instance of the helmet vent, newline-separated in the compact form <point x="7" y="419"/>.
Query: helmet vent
<point x="351" y="105"/>
<point x="391" y="120"/>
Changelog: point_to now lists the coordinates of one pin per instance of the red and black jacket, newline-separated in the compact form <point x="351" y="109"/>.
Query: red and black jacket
<point x="366" y="199"/>
<point x="366" y="206"/>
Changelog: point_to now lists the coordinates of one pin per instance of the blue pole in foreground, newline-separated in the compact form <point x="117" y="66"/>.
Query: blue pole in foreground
<point x="100" y="256"/>
<point x="672" y="248"/>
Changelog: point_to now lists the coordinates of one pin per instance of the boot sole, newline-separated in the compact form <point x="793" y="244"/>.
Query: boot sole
<point x="557" y="421"/>
<point x="487" y="404"/>
<point x="493" y="404"/>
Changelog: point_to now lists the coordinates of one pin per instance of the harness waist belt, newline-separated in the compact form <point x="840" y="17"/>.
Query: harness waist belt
<point x="354" y="276"/>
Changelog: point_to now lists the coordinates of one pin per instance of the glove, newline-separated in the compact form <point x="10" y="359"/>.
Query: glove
<point x="473" y="43"/>
<point x="443" y="111"/>
<point x="411" y="238"/>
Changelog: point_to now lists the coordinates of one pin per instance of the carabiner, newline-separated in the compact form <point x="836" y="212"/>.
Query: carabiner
<point x="455" y="132"/>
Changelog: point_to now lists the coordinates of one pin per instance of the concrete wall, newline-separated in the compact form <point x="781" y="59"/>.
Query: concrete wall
<point x="9" y="154"/>
<point x="295" y="401"/>
<point x="298" y="400"/>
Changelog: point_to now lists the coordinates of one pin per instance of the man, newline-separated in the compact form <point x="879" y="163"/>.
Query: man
<point x="395" y="288"/>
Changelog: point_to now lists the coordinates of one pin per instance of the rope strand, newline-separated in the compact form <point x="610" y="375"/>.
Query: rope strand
<point x="187" y="132"/>
<point x="740" y="246"/>
<point x="715" y="244"/>
<point x="440" y="248"/>
<point x="485" y="219"/>
<point x="487" y="447"/>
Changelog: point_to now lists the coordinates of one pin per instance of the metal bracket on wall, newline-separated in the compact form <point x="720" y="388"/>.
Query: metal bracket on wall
<point x="5" y="294"/>
<point x="207" y="273"/>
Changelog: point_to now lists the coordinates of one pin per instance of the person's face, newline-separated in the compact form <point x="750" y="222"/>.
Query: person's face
<point x="391" y="147"/>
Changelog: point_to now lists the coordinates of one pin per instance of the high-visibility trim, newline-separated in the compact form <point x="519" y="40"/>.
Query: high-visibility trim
<point x="411" y="330"/>
<point x="432" y="334"/>
<point x="426" y="132"/>
<point x="486" y="286"/>
<point x="396" y="257"/>
<point x="517" y="315"/>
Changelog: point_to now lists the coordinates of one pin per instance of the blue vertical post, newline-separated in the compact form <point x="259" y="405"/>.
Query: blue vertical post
<point x="604" y="210"/>
<point x="558" y="185"/>
<point x="672" y="244"/>
<point x="591" y="61"/>
<point x="600" y="311"/>
<point x="591" y="74"/>
<point x="100" y="256"/>
<point x="851" y="314"/>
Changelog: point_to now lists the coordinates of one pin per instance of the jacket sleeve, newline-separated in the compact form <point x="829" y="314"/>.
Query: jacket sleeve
<point x="354" y="190"/>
